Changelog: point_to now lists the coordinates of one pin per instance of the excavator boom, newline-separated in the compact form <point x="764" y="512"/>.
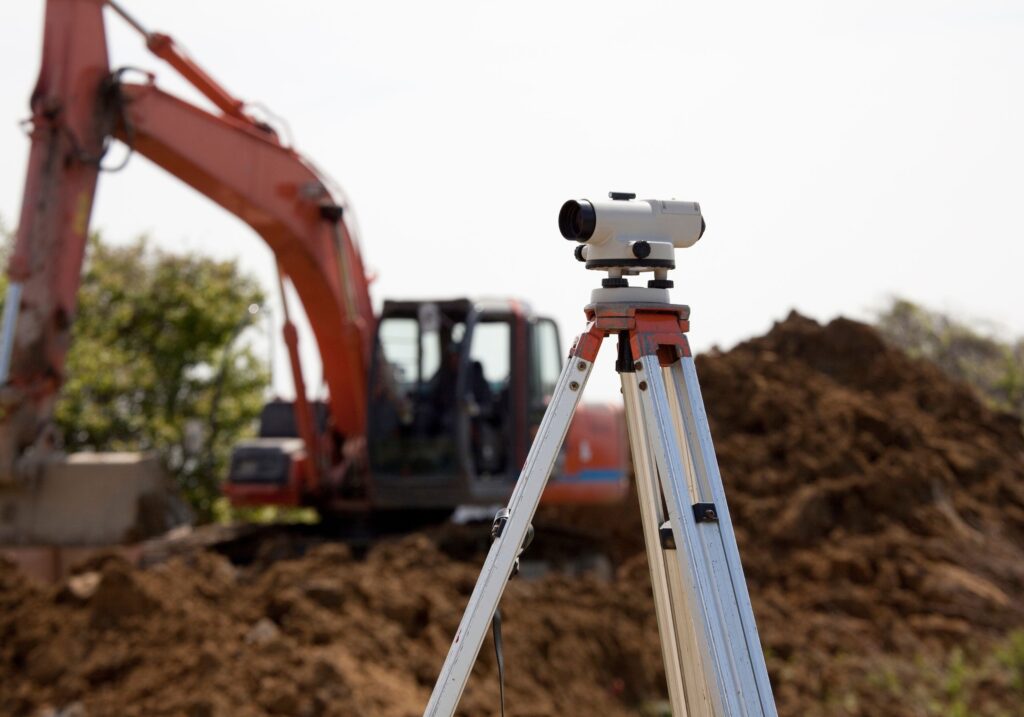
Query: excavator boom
<point x="77" y="106"/>
<point x="458" y="386"/>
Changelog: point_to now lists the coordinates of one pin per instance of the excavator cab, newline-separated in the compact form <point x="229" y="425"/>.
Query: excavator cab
<point x="447" y="418"/>
<point x="457" y="389"/>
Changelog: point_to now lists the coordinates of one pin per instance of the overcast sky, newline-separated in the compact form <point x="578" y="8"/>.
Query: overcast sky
<point x="841" y="152"/>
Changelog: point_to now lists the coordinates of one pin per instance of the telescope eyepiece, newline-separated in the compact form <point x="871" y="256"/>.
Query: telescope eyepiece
<point x="577" y="220"/>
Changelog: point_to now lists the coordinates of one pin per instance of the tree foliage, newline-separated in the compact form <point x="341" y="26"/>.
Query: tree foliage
<point x="156" y="363"/>
<point x="993" y="366"/>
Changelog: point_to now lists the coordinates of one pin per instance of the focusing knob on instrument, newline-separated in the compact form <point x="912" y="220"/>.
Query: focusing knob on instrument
<point x="641" y="249"/>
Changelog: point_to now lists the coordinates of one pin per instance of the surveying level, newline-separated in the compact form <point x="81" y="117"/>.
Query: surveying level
<point x="709" y="642"/>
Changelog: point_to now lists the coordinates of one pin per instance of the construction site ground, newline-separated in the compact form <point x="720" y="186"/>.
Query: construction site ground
<point x="879" y="508"/>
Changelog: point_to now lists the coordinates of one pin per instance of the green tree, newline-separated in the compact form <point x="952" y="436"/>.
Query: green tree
<point x="992" y="366"/>
<point x="156" y="362"/>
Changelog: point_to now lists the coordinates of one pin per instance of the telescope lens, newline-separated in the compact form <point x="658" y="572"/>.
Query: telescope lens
<point x="577" y="220"/>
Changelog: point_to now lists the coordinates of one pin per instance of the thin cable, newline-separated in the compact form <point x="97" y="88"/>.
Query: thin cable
<point x="496" y="631"/>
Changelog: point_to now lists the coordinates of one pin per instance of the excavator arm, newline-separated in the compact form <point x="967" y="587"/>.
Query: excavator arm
<point x="78" y="105"/>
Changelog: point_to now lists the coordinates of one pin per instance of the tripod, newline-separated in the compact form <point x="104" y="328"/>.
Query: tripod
<point x="713" y="660"/>
<point x="709" y="643"/>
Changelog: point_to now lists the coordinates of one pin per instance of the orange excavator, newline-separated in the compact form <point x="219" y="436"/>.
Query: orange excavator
<point x="432" y="404"/>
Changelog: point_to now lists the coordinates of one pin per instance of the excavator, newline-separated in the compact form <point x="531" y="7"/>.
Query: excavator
<point x="430" y="405"/>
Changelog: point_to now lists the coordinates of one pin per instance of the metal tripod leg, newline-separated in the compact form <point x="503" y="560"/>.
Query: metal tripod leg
<point x="708" y="482"/>
<point x="500" y="559"/>
<point x="714" y="599"/>
<point x="683" y="674"/>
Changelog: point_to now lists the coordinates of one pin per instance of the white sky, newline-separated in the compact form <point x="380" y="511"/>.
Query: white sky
<point x="841" y="152"/>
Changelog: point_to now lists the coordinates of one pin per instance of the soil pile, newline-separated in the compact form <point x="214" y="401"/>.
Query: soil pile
<point x="322" y="636"/>
<point x="879" y="508"/>
<point x="880" y="513"/>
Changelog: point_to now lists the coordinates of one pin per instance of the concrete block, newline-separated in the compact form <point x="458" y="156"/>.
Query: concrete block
<point x="91" y="499"/>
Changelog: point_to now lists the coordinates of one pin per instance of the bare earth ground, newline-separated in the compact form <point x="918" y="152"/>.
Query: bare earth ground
<point x="880" y="513"/>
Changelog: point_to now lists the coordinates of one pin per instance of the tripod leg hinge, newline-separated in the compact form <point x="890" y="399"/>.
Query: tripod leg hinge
<point x="705" y="513"/>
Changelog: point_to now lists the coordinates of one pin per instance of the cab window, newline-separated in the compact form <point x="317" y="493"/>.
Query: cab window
<point x="487" y="398"/>
<point x="545" y="361"/>
<point x="492" y="352"/>
<point x="399" y="339"/>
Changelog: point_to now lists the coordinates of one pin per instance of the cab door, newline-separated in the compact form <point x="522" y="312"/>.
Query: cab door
<point x="415" y="416"/>
<point x="492" y="396"/>
<point x="519" y="360"/>
<point x="545" y="366"/>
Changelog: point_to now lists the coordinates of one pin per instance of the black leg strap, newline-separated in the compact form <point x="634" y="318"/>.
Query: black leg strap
<point x="496" y="631"/>
<point x="496" y="530"/>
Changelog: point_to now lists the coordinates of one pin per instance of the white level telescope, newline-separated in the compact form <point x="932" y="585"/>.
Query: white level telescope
<point x="714" y="665"/>
<point x="631" y="233"/>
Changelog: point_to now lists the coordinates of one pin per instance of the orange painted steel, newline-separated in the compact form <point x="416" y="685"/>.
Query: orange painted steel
<point x="234" y="160"/>
<point x="652" y="328"/>
<point x="597" y="461"/>
<point x="78" y="106"/>
<point x="67" y="134"/>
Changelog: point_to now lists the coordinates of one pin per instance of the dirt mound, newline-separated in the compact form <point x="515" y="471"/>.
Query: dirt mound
<point x="879" y="507"/>
<point x="324" y="635"/>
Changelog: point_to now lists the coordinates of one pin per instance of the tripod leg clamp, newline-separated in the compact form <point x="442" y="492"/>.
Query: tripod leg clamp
<point x="702" y="513"/>
<point x="498" y="527"/>
<point x="705" y="513"/>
